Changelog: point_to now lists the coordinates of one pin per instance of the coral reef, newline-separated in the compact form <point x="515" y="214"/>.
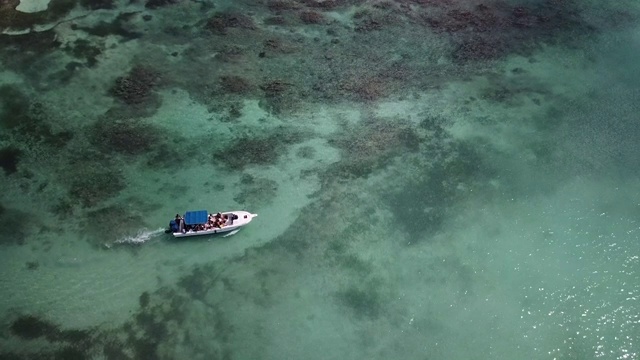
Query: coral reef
<point x="154" y="4"/>
<point x="491" y="30"/>
<point x="277" y="97"/>
<point x="95" y="183"/>
<point x="430" y="196"/>
<point x="235" y="84"/>
<point x="137" y="86"/>
<point x="255" y="191"/>
<point x="222" y="21"/>
<point x="324" y="4"/>
<point x="119" y="26"/>
<point x="9" y="159"/>
<point x="18" y="221"/>
<point x="275" y="87"/>
<point x="282" y="5"/>
<point x="28" y="121"/>
<point x="15" y="107"/>
<point x="370" y="145"/>
<point x="83" y="49"/>
<point x="364" y="301"/>
<point x="53" y="341"/>
<point x="275" y="20"/>
<point x="97" y="4"/>
<point x="125" y="136"/>
<point x="366" y="21"/>
<point x="107" y="224"/>
<point x="312" y="17"/>
<point x="231" y="53"/>
<point x="259" y="150"/>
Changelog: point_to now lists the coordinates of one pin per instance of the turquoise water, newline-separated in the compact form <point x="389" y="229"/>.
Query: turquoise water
<point x="434" y="180"/>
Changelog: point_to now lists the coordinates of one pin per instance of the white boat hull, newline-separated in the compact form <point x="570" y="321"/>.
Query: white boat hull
<point x="244" y="217"/>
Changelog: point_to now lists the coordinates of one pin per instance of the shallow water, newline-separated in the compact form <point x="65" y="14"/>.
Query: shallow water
<point x="433" y="181"/>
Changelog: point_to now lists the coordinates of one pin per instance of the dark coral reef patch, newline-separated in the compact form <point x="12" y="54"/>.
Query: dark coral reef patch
<point x="107" y="224"/>
<point x="9" y="158"/>
<point x="137" y="86"/>
<point x="97" y="4"/>
<point x="28" y="121"/>
<point x="53" y="341"/>
<point x="125" y="136"/>
<point x="119" y="26"/>
<point x="83" y="49"/>
<point x="154" y="4"/>
<point x="19" y="225"/>
<point x="489" y="30"/>
<point x="370" y="145"/>
<point x="94" y="183"/>
<point x="235" y="84"/>
<point x="259" y="149"/>
<point x="220" y="22"/>
<point x="365" y="300"/>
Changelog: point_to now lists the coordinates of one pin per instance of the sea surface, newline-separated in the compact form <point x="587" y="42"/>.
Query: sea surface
<point x="454" y="180"/>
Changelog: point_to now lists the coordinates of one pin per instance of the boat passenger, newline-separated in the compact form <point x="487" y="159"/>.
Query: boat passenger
<point x="179" y="221"/>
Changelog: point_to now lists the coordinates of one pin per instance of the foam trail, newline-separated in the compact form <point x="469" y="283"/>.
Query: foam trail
<point x="142" y="237"/>
<point x="232" y="233"/>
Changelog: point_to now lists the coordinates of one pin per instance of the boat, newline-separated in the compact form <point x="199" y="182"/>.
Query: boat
<point x="201" y="222"/>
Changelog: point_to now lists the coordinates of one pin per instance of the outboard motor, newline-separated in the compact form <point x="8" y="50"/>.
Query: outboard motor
<point x="173" y="227"/>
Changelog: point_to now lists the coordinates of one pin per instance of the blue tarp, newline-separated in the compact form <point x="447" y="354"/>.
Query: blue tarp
<point x="196" y="217"/>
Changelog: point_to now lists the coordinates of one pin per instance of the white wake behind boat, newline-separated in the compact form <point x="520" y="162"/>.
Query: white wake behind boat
<point x="201" y="222"/>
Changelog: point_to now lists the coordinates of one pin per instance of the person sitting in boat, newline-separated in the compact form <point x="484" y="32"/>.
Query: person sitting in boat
<point x="218" y="222"/>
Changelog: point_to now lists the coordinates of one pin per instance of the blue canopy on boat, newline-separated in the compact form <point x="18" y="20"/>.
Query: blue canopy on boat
<point x="196" y="217"/>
